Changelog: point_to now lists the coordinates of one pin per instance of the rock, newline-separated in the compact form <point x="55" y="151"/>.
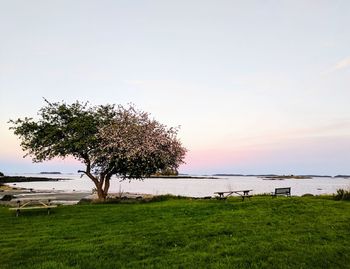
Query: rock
<point x="7" y="197"/>
<point x="84" y="201"/>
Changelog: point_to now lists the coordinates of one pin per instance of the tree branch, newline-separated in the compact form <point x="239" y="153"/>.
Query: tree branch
<point x="88" y="171"/>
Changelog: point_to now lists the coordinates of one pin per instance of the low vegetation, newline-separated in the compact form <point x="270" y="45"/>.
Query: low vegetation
<point x="342" y="194"/>
<point x="304" y="232"/>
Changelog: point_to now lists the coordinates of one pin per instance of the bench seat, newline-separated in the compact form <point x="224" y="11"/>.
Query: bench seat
<point x="32" y="207"/>
<point x="281" y="191"/>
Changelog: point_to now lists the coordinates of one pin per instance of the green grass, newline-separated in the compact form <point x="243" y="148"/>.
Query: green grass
<point x="308" y="232"/>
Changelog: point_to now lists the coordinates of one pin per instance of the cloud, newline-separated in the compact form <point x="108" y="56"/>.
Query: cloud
<point x="276" y="138"/>
<point x="345" y="63"/>
<point x="342" y="64"/>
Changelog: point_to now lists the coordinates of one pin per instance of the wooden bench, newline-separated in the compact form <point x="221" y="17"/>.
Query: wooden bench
<point x="33" y="204"/>
<point x="281" y="191"/>
<point x="243" y="193"/>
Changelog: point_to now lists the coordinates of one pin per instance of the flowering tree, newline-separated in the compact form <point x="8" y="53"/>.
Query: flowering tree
<point x="108" y="139"/>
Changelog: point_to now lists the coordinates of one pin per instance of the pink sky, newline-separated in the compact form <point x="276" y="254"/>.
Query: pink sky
<point x="254" y="89"/>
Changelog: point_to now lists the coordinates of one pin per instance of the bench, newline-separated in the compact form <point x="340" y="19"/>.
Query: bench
<point x="242" y="193"/>
<point x="33" y="204"/>
<point x="281" y="191"/>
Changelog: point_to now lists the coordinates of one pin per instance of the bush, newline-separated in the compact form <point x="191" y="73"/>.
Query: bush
<point x="136" y="200"/>
<point x="342" y="194"/>
<point x="1" y="174"/>
<point x="307" y="195"/>
<point x="167" y="197"/>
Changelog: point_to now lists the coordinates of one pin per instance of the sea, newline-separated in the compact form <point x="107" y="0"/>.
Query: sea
<point x="192" y="186"/>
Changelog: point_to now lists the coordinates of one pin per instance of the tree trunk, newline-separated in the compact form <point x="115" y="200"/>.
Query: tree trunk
<point x="101" y="182"/>
<point x="100" y="193"/>
<point x="100" y="187"/>
<point x="106" y="186"/>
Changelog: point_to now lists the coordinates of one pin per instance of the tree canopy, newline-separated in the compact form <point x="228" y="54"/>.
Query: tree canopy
<point x="107" y="139"/>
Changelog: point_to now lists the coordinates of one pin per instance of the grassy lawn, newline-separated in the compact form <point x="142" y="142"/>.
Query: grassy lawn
<point x="261" y="233"/>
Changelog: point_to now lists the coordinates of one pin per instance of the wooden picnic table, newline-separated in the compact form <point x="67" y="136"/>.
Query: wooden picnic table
<point x="242" y="193"/>
<point x="33" y="204"/>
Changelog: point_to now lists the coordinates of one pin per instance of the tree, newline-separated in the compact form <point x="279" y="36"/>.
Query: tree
<point x="108" y="139"/>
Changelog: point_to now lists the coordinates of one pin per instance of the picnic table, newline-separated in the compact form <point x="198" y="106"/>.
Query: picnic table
<point x="241" y="193"/>
<point x="33" y="204"/>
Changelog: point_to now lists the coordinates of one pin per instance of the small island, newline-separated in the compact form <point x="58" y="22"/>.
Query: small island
<point x="342" y="176"/>
<point x="285" y="177"/>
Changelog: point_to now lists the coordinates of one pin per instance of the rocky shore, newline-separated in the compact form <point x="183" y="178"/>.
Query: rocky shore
<point x="10" y="195"/>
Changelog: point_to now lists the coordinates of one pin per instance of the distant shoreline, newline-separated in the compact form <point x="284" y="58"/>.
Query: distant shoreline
<point x="11" y="179"/>
<point x="185" y="177"/>
<point x="280" y="176"/>
<point x="285" y="177"/>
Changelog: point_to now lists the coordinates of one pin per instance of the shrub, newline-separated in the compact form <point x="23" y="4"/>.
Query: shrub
<point x="342" y="194"/>
<point x="167" y="197"/>
<point x="307" y="195"/>
<point x="135" y="200"/>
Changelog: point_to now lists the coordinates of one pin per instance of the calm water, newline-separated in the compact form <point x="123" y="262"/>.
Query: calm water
<point x="193" y="187"/>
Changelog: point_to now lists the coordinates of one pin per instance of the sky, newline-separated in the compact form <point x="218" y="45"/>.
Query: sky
<point x="256" y="86"/>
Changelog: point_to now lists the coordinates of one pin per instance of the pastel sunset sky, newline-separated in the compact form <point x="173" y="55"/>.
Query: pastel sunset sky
<point x="257" y="86"/>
